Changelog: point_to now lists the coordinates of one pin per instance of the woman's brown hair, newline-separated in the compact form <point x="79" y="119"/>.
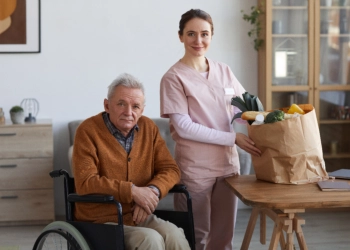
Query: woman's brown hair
<point x="195" y="13"/>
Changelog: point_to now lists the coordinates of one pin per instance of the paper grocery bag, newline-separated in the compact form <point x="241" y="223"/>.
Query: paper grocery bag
<point x="291" y="150"/>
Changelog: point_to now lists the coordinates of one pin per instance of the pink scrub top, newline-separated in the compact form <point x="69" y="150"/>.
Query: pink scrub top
<point x="183" y="90"/>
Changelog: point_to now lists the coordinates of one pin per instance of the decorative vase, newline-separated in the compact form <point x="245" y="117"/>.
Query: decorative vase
<point x="2" y="117"/>
<point x="17" y="117"/>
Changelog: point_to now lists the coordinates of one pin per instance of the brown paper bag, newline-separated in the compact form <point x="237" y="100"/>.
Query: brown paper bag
<point x="291" y="150"/>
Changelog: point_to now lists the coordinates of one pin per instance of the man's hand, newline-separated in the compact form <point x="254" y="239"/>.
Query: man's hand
<point x="139" y="215"/>
<point x="245" y="143"/>
<point x="146" y="198"/>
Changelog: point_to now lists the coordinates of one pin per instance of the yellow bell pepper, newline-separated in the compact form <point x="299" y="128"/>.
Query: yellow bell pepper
<point x="294" y="108"/>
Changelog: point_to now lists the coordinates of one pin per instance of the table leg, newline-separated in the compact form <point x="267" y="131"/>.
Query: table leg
<point x="282" y="241"/>
<point x="285" y="220"/>
<point x="297" y="222"/>
<point x="250" y="228"/>
<point x="288" y="222"/>
<point x="262" y="227"/>
<point x="277" y="230"/>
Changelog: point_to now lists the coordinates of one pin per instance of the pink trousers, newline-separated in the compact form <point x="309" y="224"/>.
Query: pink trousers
<point x="214" y="212"/>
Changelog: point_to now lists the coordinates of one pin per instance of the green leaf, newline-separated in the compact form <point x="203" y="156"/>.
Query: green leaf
<point x="239" y="103"/>
<point x="255" y="21"/>
<point x="238" y="115"/>
<point x="253" y="102"/>
<point x="248" y="103"/>
<point x="259" y="104"/>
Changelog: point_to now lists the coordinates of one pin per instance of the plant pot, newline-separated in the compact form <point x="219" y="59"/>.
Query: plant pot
<point x="328" y="3"/>
<point x="17" y="117"/>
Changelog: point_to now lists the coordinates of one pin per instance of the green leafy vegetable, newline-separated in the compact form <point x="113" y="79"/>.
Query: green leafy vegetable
<point x="253" y="103"/>
<point x="250" y="103"/>
<point x="239" y="103"/>
<point x="274" y="116"/>
<point x="247" y="100"/>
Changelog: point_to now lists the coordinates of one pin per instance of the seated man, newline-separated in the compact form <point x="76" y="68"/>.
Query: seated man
<point x="121" y="153"/>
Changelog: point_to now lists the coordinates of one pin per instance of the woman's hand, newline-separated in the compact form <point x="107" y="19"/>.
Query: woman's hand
<point x="245" y="143"/>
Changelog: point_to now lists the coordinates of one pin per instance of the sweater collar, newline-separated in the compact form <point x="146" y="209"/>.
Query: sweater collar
<point x="112" y="129"/>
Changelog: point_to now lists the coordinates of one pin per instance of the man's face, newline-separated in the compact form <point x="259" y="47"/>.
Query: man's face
<point x="125" y="108"/>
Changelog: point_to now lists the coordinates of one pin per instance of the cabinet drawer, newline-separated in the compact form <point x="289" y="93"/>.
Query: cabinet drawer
<point x="25" y="173"/>
<point x="26" y="141"/>
<point x="26" y="205"/>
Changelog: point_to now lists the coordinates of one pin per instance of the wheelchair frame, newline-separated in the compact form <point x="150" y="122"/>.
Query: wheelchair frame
<point x="86" y="235"/>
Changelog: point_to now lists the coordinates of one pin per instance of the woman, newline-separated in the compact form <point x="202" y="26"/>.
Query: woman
<point x="196" y="95"/>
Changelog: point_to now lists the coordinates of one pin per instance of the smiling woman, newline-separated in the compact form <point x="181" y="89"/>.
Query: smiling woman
<point x="195" y="94"/>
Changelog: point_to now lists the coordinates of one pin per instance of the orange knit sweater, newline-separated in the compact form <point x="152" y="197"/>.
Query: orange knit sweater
<point x="101" y="165"/>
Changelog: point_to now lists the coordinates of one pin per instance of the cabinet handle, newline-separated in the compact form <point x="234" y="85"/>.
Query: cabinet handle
<point x="8" y="166"/>
<point x="9" y="197"/>
<point x="8" y="134"/>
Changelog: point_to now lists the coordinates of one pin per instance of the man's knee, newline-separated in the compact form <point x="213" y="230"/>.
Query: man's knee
<point x="176" y="239"/>
<point x="153" y="238"/>
<point x="144" y="238"/>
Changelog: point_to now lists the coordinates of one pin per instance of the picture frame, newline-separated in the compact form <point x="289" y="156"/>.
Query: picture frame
<point x="20" y="27"/>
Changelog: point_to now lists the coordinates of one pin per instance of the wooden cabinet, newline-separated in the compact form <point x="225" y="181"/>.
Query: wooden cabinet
<point x="26" y="158"/>
<point x="305" y="58"/>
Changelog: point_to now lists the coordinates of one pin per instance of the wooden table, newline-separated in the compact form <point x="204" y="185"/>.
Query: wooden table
<point x="282" y="203"/>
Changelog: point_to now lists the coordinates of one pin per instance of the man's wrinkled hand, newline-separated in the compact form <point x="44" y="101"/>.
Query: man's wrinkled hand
<point x="146" y="198"/>
<point x="139" y="215"/>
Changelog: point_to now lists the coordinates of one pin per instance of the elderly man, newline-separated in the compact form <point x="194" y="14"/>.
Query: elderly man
<point x="121" y="153"/>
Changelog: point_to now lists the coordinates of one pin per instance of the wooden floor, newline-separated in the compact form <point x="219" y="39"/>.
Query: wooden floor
<point x="324" y="230"/>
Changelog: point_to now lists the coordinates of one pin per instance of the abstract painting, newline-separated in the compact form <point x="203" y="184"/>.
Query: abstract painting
<point x="19" y="26"/>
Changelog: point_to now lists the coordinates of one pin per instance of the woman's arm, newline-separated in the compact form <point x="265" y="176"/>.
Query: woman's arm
<point x="190" y="130"/>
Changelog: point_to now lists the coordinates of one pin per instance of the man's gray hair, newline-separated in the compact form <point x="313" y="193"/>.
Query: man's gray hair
<point x="125" y="80"/>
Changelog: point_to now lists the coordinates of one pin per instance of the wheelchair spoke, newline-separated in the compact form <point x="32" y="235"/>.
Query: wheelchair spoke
<point x="56" y="240"/>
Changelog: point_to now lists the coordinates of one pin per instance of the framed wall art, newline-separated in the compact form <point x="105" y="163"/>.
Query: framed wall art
<point x="20" y="26"/>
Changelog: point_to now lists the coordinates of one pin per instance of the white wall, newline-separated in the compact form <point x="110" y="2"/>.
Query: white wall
<point x="87" y="43"/>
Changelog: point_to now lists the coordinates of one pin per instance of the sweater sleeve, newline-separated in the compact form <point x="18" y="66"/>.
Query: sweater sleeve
<point x="190" y="130"/>
<point x="166" y="171"/>
<point x="87" y="164"/>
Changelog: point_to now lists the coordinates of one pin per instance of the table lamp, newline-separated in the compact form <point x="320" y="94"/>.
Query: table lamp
<point x="31" y="109"/>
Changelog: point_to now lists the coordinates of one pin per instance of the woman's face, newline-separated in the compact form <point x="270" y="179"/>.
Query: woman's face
<point x="196" y="37"/>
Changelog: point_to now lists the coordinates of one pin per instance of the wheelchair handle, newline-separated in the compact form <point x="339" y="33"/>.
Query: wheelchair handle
<point x="178" y="188"/>
<point x="58" y="173"/>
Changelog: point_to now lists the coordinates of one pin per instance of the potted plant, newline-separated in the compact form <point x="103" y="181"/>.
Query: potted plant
<point x="17" y="114"/>
<point x="254" y="19"/>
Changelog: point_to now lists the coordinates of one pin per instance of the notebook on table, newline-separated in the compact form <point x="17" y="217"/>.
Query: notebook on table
<point x="341" y="174"/>
<point x="330" y="185"/>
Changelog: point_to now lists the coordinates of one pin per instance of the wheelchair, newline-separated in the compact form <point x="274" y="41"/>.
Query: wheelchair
<point x="80" y="235"/>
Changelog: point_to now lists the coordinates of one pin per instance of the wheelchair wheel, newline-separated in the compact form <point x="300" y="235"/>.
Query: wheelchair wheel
<point x="60" y="235"/>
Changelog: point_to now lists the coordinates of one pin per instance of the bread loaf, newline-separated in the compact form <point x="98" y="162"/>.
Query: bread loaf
<point x="250" y="115"/>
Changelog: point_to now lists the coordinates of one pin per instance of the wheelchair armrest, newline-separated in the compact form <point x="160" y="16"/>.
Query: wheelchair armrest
<point x="178" y="188"/>
<point x="97" y="198"/>
<point x="93" y="198"/>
